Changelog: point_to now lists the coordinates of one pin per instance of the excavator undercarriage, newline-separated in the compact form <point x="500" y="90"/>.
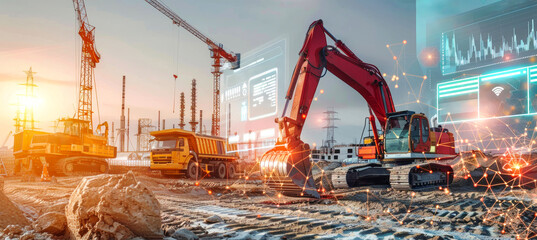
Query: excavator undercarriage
<point x="407" y="177"/>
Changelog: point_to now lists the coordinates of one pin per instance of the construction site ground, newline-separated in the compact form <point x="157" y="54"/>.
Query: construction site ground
<point x="248" y="210"/>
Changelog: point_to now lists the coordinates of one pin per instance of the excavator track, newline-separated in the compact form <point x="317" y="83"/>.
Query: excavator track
<point x="355" y="175"/>
<point x="421" y="176"/>
<point x="79" y="166"/>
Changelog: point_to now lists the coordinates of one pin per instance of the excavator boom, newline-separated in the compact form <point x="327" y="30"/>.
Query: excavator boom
<point x="316" y="56"/>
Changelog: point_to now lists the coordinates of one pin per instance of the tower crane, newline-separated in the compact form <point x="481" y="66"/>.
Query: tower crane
<point x="217" y="53"/>
<point x="89" y="58"/>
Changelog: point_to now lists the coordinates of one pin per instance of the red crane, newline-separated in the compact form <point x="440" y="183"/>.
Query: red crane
<point x="217" y="53"/>
<point x="89" y="58"/>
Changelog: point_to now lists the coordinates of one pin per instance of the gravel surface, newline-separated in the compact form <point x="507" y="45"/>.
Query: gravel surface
<point x="248" y="210"/>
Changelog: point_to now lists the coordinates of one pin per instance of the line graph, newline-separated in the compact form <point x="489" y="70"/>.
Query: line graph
<point x="506" y="37"/>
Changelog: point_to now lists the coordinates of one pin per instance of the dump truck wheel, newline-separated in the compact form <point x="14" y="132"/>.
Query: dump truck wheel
<point x="231" y="171"/>
<point x="192" y="170"/>
<point x="221" y="171"/>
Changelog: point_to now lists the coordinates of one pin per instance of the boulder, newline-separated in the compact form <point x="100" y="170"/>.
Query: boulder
<point x="185" y="234"/>
<point x="213" y="219"/>
<point x="52" y="222"/>
<point x="113" y="207"/>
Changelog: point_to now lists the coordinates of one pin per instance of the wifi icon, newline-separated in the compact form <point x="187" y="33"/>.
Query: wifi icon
<point x="498" y="90"/>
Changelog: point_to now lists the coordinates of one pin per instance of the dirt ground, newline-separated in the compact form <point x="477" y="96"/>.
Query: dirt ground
<point x="249" y="210"/>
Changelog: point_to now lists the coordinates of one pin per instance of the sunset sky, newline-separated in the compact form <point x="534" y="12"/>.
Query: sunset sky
<point x="136" y="40"/>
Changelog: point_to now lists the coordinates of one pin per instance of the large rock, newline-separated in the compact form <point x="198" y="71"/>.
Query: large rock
<point x="52" y="222"/>
<point x="213" y="219"/>
<point x="113" y="207"/>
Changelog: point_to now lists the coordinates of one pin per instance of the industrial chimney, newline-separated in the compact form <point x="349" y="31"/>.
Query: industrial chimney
<point x="193" y="122"/>
<point x="122" y="120"/>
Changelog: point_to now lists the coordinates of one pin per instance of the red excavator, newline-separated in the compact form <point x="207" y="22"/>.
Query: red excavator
<point x="410" y="153"/>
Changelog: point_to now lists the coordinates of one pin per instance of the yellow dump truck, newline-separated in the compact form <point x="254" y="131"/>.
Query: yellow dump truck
<point x="177" y="152"/>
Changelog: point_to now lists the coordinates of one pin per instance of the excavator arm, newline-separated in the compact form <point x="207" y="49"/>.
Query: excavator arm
<point x="289" y="162"/>
<point x="315" y="57"/>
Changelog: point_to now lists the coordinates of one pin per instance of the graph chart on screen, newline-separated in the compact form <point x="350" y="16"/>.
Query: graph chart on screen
<point x="502" y="38"/>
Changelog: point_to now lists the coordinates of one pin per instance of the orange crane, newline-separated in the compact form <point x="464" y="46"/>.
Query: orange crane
<point x="74" y="148"/>
<point x="89" y="58"/>
<point x="217" y="53"/>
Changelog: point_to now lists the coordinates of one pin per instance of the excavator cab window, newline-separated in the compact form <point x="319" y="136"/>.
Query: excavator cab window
<point x="396" y="140"/>
<point x="419" y="134"/>
<point x="68" y="127"/>
<point x="415" y="133"/>
<point x="424" y="130"/>
<point x="73" y="128"/>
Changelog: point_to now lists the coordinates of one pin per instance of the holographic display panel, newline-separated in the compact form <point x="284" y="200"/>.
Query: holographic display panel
<point x="504" y="93"/>
<point x="501" y="38"/>
<point x="253" y="96"/>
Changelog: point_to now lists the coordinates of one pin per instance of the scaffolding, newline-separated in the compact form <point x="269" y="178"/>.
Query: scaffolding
<point x="142" y="137"/>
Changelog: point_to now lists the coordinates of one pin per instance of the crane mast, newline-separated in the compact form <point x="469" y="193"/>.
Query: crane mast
<point x="88" y="59"/>
<point x="217" y="53"/>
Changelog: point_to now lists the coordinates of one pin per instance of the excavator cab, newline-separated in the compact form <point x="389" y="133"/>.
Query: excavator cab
<point x="73" y="127"/>
<point x="407" y="132"/>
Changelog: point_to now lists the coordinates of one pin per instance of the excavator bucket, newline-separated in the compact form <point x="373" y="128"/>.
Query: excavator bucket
<point x="289" y="171"/>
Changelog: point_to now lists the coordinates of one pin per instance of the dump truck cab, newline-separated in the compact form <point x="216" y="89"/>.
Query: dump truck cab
<point x="181" y="152"/>
<point x="170" y="152"/>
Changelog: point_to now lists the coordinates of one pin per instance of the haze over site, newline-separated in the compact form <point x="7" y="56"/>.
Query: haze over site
<point x="136" y="40"/>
